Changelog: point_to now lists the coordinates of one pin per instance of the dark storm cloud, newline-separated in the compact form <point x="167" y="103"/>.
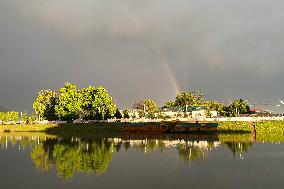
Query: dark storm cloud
<point x="226" y="48"/>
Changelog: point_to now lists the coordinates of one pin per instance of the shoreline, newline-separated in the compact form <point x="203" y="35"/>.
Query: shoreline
<point x="267" y="126"/>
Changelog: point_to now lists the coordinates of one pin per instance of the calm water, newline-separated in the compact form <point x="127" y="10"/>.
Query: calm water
<point x="153" y="161"/>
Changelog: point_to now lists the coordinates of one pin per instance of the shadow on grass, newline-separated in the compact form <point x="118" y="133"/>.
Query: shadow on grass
<point x="85" y="130"/>
<point x="233" y="132"/>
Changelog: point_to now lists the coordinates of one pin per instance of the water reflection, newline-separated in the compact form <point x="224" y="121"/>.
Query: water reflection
<point x="93" y="155"/>
<point x="239" y="148"/>
<point x="69" y="156"/>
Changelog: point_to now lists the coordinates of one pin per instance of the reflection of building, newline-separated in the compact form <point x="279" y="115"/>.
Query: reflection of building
<point x="169" y="143"/>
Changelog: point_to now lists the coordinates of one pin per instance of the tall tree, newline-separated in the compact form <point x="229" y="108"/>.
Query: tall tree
<point x="170" y="104"/>
<point x="44" y="105"/>
<point x="195" y="98"/>
<point x="126" y="114"/>
<point x="150" y="107"/>
<point x="87" y="103"/>
<point x="117" y="114"/>
<point x="238" y="106"/>
<point x="103" y="104"/>
<point x="216" y="106"/>
<point x="69" y="103"/>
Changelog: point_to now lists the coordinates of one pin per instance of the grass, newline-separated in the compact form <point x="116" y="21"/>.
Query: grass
<point x="272" y="131"/>
<point x="65" y="129"/>
<point x="25" y="128"/>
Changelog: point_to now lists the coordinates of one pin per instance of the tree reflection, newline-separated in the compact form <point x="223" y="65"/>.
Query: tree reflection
<point x="189" y="153"/>
<point x="40" y="158"/>
<point x="238" y="148"/>
<point x="84" y="156"/>
<point x="195" y="151"/>
<point x="93" y="156"/>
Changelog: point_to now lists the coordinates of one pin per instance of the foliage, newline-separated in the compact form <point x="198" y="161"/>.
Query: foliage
<point x="216" y="106"/>
<point x="25" y="117"/>
<point x="9" y="116"/>
<point x="88" y="98"/>
<point x="196" y="98"/>
<point x="70" y="104"/>
<point x="117" y="114"/>
<point x="192" y="98"/>
<point x="32" y="118"/>
<point x="97" y="103"/>
<point x="170" y="104"/>
<point x="45" y="103"/>
<point x="150" y="107"/>
<point x="68" y="107"/>
<point x="103" y="105"/>
<point x="146" y="107"/>
<point x="126" y="114"/>
<point x="141" y="114"/>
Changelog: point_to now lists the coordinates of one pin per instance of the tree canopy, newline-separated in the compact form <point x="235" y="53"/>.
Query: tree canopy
<point x="69" y="103"/>
<point x="44" y="105"/>
<point x="68" y="106"/>
<point x="150" y="107"/>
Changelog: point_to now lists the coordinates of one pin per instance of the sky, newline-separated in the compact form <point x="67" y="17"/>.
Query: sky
<point x="141" y="49"/>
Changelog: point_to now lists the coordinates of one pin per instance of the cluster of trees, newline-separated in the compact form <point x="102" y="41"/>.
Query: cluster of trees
<point x="69" y="104"/>
<point x="147" y="108"/>
<point x="9" y="116"/>
<point x="26" y="118"/>
<point x="196" y="98"/>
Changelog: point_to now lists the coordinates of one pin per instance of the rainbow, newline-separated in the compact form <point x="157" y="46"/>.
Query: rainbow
<point x="156" y="49"/>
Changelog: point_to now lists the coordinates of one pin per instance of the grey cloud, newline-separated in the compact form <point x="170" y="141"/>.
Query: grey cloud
<point x="226" y="48"/>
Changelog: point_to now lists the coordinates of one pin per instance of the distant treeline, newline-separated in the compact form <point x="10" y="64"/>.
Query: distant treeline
<point x="69" y="103"/>
<point x="196" y="98"/>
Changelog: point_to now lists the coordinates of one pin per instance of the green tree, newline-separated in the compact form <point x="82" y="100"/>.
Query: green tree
<point x="195" y="98"/>
<point x="126" y="114"/>
<point x="170" y="104"/>
<point x="25" y="117"/>
<point x="103" y="105"/>
<point x="117" y="114"/>
<point x="238" y="106"/>
<point x="44" y="105"/>
<point x="9" y="116"/>
<point x="150" y="107"/>
<point x="88" y="102"/>
<point x="32" y="118"/>
<point x="216" y="106"/>
<point x="69" y="103"/>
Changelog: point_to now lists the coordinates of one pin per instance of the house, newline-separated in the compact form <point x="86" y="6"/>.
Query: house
<point x="196" y="112"/>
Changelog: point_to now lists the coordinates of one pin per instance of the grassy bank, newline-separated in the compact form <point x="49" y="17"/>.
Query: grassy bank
<point x="65" y="129"/>
<point x="270" y="127"/>
<point x="272" y="131"/>
<point x="240" y="131"/>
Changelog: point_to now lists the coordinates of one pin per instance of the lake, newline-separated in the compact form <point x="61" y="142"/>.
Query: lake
<point x="36" y="160"/>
